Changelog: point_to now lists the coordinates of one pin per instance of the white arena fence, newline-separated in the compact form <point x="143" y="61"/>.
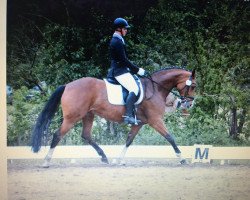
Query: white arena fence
<point x="198" y="153"/>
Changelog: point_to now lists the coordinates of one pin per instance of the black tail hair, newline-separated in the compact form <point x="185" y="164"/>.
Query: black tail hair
<point x="45" y="118"/>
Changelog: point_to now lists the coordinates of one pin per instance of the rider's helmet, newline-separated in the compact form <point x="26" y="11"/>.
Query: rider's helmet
<point x="121" y="23"/>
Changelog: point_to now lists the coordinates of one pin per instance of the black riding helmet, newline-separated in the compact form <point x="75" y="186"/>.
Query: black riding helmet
<point x="120" y="23"/>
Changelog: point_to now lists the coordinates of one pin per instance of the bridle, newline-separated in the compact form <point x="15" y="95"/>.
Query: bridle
<point x="184" y="99"/>
<point x="187" y="86"/>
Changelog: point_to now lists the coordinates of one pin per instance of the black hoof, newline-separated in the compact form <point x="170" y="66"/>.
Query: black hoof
<point x="105" y="160"/>
<point x="183" y="162"/>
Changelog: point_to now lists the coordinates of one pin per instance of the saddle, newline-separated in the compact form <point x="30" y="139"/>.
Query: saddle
<point x="117" y="94"/>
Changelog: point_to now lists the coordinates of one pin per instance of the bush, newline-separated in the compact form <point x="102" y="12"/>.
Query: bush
<point x="21" y="118"/>
<point x="200" y="128"/>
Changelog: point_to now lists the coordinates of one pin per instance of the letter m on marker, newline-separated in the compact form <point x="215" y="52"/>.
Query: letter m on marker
<point x="199" y="155"/>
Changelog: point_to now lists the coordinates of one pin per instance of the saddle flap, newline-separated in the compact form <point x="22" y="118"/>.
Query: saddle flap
<point x="117" y="94"/>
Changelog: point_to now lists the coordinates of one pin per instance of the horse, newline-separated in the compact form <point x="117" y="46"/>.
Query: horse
<point x="86" y="97"/>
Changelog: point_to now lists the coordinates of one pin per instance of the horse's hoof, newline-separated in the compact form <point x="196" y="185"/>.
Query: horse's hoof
<point x="183" y="162"/>
<point x="45" y="164"/>
<point x="114" y="161"/>
<point x="105" y="160"/>
<point x="122" y="163"/>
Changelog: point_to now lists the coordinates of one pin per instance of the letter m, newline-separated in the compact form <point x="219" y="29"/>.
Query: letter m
<point x="199" y="155"/>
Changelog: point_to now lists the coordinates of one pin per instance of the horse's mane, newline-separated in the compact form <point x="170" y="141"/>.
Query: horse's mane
<point x="172" y="67"/>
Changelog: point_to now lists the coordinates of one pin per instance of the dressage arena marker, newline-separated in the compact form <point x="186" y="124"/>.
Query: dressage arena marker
<point x="198" y="153"/>
<point x="202" y="153"/>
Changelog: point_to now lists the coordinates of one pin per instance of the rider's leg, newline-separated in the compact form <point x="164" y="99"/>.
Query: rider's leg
<point x="130" y="101"/>
<point x="127" y="81"/>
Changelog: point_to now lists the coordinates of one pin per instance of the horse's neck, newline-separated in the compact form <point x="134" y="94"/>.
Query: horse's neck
<point x="169" y="77"/>
<point x="167" y="80"/>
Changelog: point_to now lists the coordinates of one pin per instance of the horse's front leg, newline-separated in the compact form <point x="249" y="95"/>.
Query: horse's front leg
<point x="87" y="122"/>
<point x="159" y="126"/>
<point x="132" y="133"/>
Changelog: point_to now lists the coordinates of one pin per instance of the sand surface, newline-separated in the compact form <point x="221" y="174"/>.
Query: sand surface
<point x="139" y="179"/>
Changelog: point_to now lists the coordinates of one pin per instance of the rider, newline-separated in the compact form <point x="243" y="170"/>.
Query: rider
<point x="122" y="69"/>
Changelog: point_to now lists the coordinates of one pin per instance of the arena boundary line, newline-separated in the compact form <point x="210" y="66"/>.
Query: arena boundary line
<point x="198" y="153"/>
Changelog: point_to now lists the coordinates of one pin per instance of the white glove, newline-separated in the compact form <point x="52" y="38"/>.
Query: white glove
<point x="141" y="72"/>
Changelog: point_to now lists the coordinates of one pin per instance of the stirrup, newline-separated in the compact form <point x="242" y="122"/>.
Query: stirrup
<point x="131" y="120"/>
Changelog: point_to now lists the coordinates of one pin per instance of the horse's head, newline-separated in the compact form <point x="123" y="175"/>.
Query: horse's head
<point x="186" y="86"/>
<point x="184" y="81"/>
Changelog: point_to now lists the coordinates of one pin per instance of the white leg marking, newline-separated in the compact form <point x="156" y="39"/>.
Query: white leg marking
<point x="181" y="160"/>
<point x="48" y="158"/>
<point x="120" y="159"/>
<point x="122" y="155"/>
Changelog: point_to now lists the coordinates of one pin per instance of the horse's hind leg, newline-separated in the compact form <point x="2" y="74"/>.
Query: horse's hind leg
<point x="87" y="122"/>
<point x="57" y="136"/>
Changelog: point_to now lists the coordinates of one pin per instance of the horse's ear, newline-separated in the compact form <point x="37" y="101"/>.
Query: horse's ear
<point x="193" y="74"/>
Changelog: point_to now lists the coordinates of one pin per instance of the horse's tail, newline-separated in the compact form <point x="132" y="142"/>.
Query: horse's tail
<point x="45" y="118"/>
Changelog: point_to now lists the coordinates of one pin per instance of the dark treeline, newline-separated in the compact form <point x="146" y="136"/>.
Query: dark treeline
<point x="58" y="41"/>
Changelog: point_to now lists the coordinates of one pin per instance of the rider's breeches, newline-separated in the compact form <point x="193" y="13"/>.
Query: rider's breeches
<point x="128" y="81"/>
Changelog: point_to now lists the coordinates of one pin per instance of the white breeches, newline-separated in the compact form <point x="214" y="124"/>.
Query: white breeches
<point x="128" y="81"/>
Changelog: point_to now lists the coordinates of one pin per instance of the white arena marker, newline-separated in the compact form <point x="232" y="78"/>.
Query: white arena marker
<point x="202" y="153"/>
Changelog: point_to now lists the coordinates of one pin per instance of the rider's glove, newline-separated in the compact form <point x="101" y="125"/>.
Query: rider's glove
<point x="141" y="72"/>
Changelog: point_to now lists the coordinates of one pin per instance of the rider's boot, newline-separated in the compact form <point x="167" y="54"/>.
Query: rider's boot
<point x="129" y="118"/>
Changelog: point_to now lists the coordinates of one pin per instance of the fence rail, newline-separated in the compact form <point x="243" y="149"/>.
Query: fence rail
<point x="198" y="153"/>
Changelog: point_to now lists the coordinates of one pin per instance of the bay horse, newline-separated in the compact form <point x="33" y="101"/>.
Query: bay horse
<point x="84" y="98"/>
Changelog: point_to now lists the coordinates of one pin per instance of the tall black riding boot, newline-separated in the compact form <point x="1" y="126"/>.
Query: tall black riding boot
<point x="129" y="118"/>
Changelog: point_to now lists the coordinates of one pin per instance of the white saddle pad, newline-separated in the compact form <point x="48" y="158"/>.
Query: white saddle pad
<point x="115" y="96"/>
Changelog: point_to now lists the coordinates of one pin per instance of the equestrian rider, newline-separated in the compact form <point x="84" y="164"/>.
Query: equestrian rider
<point x="122" y="69"/>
